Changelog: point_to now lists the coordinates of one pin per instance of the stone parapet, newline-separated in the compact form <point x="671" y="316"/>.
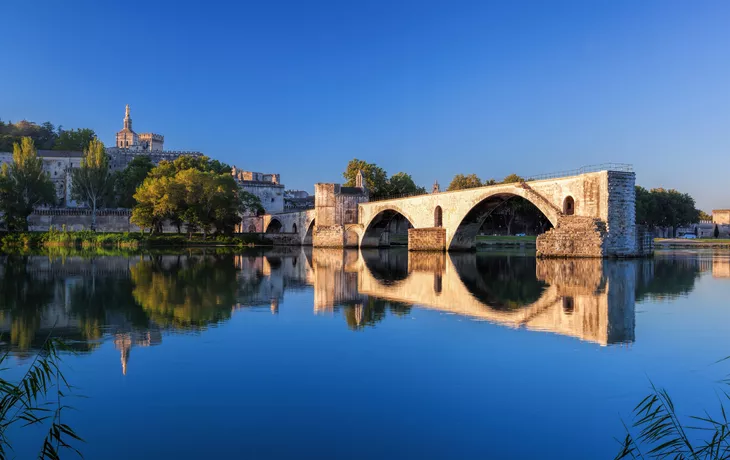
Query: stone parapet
<point x="427" y="239"/>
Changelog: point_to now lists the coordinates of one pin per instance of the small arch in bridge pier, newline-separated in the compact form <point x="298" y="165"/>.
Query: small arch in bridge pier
<point x="252" y="228"/>
<point x="437" y="283"/>
<point x="568" y="305"/>
<point x="438" y="217"/>
<point x="569" y="206"/>
<point x="294" y="228"/>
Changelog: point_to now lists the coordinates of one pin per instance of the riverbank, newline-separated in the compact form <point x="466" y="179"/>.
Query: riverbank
<point x="89" y="239"/>
<point x="505" y="241"/>
<point x="681" y="243"/>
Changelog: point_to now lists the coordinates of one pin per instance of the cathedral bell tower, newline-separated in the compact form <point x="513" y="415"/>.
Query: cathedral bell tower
<point x="127" y="119"/>
<point x="127" y="138"/>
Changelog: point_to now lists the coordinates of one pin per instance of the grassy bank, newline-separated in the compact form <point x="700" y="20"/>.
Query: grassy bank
<point x="669" y="243"/>
<point x="506" y="240"/>
<point x="89" y="239"/>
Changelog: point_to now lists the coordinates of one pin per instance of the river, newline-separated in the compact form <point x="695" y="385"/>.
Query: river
<point x="315" y="353"/>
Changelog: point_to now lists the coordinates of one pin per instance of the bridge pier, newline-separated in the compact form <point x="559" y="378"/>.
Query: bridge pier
<point x="427" y="239"/>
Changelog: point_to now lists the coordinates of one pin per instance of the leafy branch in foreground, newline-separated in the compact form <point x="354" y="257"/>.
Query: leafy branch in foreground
<point x="657" y="432"/>
<point x="37" y="399"/>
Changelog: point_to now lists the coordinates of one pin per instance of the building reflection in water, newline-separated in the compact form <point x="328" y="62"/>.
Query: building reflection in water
<point x="134" y="300"/>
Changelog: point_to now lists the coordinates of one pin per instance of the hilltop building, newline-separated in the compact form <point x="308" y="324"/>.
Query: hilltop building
<point x="129" y="145"/>
<point x="59" y="163"/>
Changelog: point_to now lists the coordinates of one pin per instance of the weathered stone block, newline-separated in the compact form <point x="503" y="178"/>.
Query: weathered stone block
<point x="427" y="239"/>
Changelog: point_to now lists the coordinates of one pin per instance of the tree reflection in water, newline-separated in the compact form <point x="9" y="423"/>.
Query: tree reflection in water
<point x="85" y="299"/>
<point x="189" y="292"/>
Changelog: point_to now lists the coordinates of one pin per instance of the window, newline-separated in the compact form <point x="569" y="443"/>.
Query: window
<point x="438" y="217"/>
<point x="294" y="228"/>
<point x="569" y="206"/>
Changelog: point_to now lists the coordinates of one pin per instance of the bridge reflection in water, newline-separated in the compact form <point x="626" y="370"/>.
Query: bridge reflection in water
<point x="136" y="300"/>
<point x="591" y="299"/>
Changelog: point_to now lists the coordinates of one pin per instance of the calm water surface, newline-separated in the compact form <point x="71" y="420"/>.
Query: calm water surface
<point x="301" y="353"/>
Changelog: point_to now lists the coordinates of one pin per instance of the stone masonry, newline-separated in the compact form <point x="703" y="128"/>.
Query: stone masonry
<point x="427" y="239"/>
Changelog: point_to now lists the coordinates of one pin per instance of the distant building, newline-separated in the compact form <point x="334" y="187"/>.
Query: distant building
<point x="298" y="200"/>
<point x="267" y="187"/>
<point x="721" y="216"/>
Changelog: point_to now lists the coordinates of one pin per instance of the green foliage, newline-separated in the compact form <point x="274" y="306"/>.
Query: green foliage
<point x="658" y="432"/>
<point x="198" y="192"/>
<point x="74" y="139"/>
<point x="24" y="185"/>
<point x="376" y="179"/>
<point x="664" y="208"/>
<point x="187" y="295"/>
<point x="402" y="184"/>
<point x="92" y="182"/>
<point x="43" y="136"/>
<point x="128" y="180"/>
<point x="25" y="402"/>
<point x="512" y="178"/>
<point x="704" y="216"/>
<point x="461" y="182"/>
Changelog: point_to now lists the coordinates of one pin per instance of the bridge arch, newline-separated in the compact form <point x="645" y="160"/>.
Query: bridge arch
<point x="377" y="232"/>
<point x="469" y="219"/>
<point x="275" y="226"/>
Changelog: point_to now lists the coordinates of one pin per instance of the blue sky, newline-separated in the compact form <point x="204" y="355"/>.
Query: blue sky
<point x="429" y="88"/>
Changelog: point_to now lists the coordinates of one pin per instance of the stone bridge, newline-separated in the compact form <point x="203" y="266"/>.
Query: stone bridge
<point x="592" y="214"/>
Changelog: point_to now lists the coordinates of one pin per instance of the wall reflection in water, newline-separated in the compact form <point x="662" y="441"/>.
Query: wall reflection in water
<point x="135" y="300"/>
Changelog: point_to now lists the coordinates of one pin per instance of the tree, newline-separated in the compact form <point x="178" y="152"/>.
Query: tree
<point x="250" y="204"/>
<point x="511" y="179"/>
<point x="43" y="136"/>
<point x="24" y="185"/>
<point x="704" y="216"/>
<point x="717" y="231"/>
<point x="127" y="180"/>
<point x="196" y="191"/>
<point x="665" y="208"/>
<point x="74" y="139"/>
<point x="92" y="181"/>
<point x="402" y="184"/>
<point x="376" y="179"/>
<point x="461" y="182"/>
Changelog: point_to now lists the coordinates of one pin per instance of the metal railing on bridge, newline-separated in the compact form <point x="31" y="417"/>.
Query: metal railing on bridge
<point x="620" y="167"/>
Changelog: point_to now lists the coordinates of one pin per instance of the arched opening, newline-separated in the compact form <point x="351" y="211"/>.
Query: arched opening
<point x="386" y="228"/>
<point x="294" y="228"/>
<point x="274" y="226"/>
<point x="386" y="266"/>
<point x="568" y="305"/>
<point x="252" y="228"/>
<point x="569" y="206"/>
<point x="498" y="219"/>
<point x="438" y="217"/>
<point x="503" y="283"/>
